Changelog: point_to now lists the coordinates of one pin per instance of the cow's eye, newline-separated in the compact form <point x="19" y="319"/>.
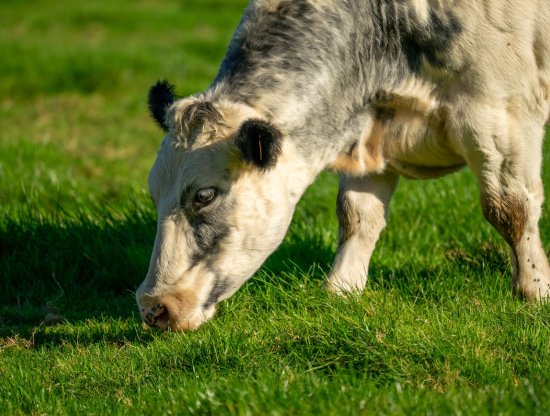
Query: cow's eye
<point x="204" y="197"/>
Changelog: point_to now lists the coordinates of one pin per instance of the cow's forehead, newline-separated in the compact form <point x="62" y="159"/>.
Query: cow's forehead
<point x="177" y="168"/>
<point x="210" y="165"/>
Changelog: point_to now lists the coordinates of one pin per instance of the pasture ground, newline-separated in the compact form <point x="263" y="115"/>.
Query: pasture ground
<point x="437" y="330"/>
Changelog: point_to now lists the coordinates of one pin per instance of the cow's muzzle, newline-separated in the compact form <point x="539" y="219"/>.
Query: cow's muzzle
<point x="178" y="311"/>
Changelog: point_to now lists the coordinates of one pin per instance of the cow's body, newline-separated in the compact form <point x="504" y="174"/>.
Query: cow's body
<point x="371" y="89"/>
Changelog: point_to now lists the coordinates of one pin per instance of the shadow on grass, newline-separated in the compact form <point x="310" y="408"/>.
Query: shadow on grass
<point x="472" y="270"/>
<point x="79" y="333"/>
<point x="76" y="268"/>
<point x="43" y="261"/>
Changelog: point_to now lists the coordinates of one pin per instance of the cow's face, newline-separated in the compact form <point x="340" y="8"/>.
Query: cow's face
<point x="225" y="184"/>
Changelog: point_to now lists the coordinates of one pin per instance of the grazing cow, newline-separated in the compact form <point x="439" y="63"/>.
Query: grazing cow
<point x="372" y="89"/>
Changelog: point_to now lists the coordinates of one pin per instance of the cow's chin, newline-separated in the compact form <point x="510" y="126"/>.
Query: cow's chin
<point x="189" y="323"/>
<point x="180" y="318"/>
<point x="180" y="323"/>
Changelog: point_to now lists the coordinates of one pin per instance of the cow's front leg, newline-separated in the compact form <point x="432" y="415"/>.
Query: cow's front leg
<point x="508" y="171"/>
<point x="362" y="208"/>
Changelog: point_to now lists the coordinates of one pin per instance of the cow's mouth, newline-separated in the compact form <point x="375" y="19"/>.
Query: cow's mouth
<point x="163" y="319"/>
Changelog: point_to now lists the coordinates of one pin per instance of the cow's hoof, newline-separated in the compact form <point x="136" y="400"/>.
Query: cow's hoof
<point x="343" y="287"/>
<point x="536" y="290"/>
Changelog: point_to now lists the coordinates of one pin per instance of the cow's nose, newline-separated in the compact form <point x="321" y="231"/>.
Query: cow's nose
<point x="178" y="311"/>
<point x="156" y="316"/>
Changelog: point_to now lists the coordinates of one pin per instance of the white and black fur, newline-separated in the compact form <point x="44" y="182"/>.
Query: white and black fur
<point x="371" y="89"/>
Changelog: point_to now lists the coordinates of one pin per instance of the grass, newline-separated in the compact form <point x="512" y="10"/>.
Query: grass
<point x="437" y="330"/>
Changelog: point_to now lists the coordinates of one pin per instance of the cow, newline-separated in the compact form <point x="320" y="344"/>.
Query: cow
<point x="370" y="89"/>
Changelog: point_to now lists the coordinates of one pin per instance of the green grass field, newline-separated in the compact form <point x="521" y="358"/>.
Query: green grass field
<point x="436" y="332"/>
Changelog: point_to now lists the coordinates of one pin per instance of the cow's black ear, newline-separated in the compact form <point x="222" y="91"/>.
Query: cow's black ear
<point x="161" y="96"/>
<point x="259" y="142"/>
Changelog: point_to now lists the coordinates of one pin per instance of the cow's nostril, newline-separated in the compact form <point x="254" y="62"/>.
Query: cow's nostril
<point x="157" y="316"/>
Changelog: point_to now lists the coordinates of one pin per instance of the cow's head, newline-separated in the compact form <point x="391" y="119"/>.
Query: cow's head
<point x="225" y="184"/>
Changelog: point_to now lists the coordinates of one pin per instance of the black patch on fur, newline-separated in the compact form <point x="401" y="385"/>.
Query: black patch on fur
<point x="429" y="41"/>
<point x="209" y="225"/>
<point x="208" y="237"/>
<point x="259" y="143"/>
<point x="283" y="33"/>
<point x="208" y="232"/>
<point x="219" y="288"/>
<point x="393" y="35"/>
<point x="161" y="96"/>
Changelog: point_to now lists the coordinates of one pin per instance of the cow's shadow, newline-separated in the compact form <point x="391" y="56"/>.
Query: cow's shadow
<point x="78" y="270"/>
